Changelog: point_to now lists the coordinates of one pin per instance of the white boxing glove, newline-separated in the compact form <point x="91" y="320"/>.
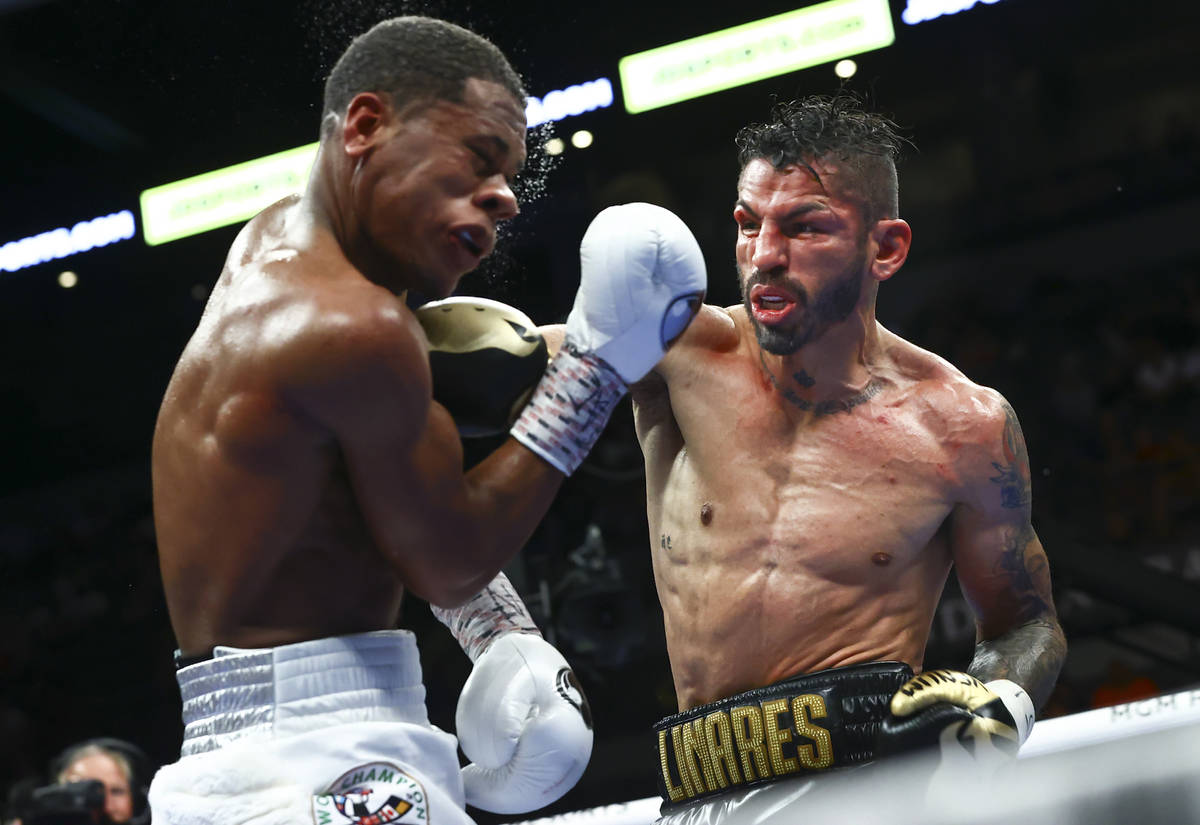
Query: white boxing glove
<point x="642" y="280"/>
<point x="525" y="725"/>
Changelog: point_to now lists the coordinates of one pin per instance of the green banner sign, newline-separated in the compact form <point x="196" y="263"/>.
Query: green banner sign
<point x="754" y="51"/>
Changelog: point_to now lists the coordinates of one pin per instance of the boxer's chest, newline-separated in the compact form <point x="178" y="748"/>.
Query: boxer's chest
<point x="841" y="488"/>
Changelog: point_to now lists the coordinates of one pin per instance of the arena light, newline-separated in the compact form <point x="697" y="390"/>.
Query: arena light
<point x="62" y="242"/>
<point x="224" y="196"/>
<point x="845" y="69"/>
<point x="555" y="146"/>
<point x="582" y="139"/>
<point x="754" y="51"/>
<point x="918" y="11"/>
<point x="67" y="279"/>
<point x="573" y="100"/>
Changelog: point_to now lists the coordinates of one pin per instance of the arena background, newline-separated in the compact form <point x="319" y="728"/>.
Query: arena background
<point x="1053" y="197"/>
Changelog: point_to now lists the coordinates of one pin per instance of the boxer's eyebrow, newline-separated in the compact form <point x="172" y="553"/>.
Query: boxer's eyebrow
<point x="795" y="212"/>
<point x="502" y="146"/>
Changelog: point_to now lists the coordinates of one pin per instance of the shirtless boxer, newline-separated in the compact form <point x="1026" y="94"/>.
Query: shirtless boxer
<point x="811" y="479"/>
<point x="304" y="477"/>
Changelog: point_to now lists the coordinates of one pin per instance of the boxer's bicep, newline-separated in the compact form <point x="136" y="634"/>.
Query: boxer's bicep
<point x="370" y="386"/>
<point x="1000" y="562"/>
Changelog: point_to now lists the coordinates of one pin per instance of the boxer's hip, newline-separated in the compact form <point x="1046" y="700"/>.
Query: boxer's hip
<point x="805" y="725"/>
<point x="270" y="693"/>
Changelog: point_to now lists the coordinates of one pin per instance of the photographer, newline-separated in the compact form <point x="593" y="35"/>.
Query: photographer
<point x="96" y="782"/>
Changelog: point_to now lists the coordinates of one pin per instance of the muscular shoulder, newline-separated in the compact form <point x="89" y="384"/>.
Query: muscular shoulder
<point x="975" y="423"/>
<point x="354" y="349"/>
<point x="712" y="330"/>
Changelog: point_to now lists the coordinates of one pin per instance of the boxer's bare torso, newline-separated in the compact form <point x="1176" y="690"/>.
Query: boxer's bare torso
<point x="791" y="537"/>
<point x="303" y="476"/>
<point x="261" y="540"/>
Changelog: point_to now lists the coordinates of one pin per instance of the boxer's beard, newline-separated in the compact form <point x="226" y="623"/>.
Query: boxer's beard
<point x="813" y="318"/>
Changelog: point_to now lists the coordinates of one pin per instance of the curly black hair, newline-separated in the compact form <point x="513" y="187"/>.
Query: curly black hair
<point x="416" y="59"/>
<point x="865" y="144"/>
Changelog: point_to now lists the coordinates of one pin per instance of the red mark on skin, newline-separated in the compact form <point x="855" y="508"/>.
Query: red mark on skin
<point x="881" y="559"/>
<point x="883" y="419"/>
<point x="891" y="479"/>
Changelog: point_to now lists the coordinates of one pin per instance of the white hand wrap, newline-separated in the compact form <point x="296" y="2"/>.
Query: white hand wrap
<point x="525" y="725"/>
<point x="642" y="280"/>
<point x="1018" y="703"/>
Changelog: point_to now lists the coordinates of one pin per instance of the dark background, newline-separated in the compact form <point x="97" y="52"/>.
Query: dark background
<point x="1056" y="224"/>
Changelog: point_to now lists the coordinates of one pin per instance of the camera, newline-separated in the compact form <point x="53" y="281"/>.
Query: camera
<point x="73" y="803"/>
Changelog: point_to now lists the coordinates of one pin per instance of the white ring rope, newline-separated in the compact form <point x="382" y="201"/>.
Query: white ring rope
<point x="1049" y="736"/>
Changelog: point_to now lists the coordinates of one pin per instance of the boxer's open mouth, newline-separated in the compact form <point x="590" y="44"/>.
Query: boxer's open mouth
<point x="771" y="304"/>
<point x="464" y="236"/>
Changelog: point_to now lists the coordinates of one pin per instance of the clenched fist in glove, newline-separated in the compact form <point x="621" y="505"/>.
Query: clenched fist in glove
<point x="957" y="712"/>
<point x="525" y="725"/>
<point x="522" y="718"/>
<point x="642" y="280"/>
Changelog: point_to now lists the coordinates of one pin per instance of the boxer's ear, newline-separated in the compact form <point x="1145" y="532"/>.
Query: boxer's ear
<point x="890" y="241"/>
<point x="368" y="116"/>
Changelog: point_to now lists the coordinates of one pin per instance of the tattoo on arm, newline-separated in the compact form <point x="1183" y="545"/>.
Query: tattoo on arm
<point x="664" y="541"/>
<point x="1028" y="579"/>
<point x="1013" y="472"/>
<point x="1030" y="655"/>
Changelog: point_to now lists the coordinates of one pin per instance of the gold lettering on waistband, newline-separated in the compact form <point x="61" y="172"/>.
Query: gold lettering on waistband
<point x="748" y="738"/>
<point x="804" y="709"/>
<point x="707" y="752"/>
<point x="695" y="752"/>
<point x="685" y="776"/>
<point x="674" y="791"/>
<point x="777" y="735"/>
<point x="719" y="736"/>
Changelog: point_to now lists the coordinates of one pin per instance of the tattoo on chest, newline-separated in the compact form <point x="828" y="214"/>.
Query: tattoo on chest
<point x="820" y="407"/>
<point x="1012" y="474"/>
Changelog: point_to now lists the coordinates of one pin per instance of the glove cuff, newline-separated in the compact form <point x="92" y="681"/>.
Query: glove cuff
<point x="1018" y="703"/>
<point x="569" y="408"/>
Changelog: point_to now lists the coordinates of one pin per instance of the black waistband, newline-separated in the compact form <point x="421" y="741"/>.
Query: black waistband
<point x="806" y="724"/>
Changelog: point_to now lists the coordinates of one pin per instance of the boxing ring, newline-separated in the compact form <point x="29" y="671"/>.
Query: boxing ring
<point x="1131" y="764"/>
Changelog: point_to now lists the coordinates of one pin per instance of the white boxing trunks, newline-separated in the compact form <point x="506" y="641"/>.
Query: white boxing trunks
<point x="327" y="732"/>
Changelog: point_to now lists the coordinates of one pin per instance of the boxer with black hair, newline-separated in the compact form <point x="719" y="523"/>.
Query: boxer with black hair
<point x="812" y="478"/>
<point x="306" y="474"/>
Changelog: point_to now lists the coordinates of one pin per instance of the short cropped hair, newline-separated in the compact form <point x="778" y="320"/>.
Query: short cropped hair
<point x="416" y="60"/>
<point x="865" y="145"/>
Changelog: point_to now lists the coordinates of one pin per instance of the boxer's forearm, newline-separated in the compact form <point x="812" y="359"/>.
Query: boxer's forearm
<point x="1030" y="655"/>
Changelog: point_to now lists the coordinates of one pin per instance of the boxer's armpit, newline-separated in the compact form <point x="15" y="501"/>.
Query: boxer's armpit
<point x="495" y="611"/>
